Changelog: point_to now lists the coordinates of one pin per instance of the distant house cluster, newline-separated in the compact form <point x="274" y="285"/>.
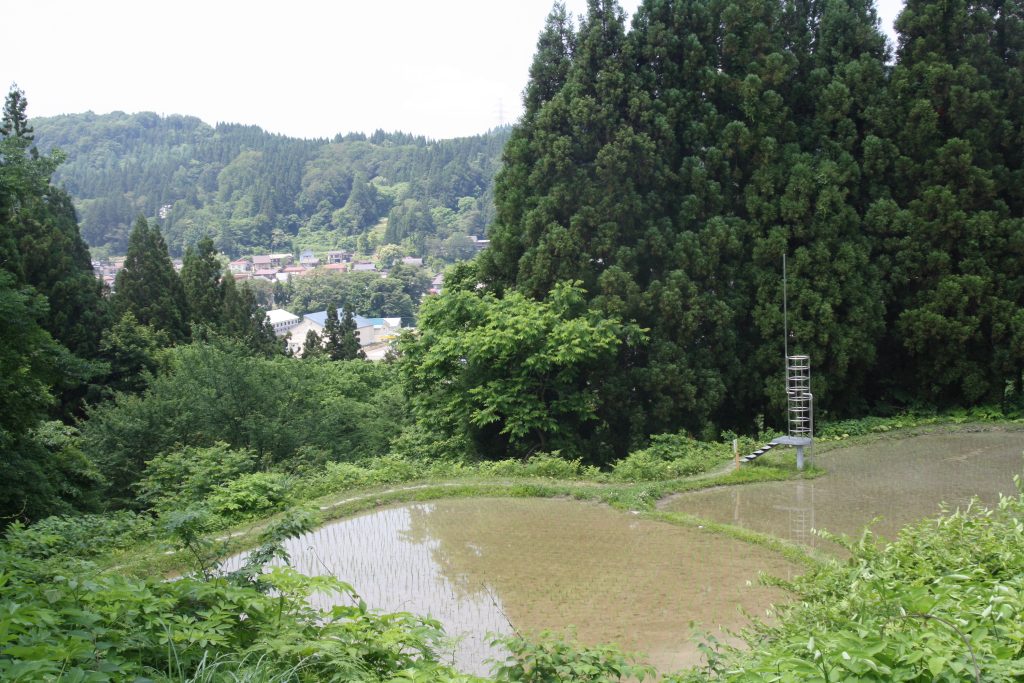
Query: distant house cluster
<point x="108" y="268"/>
<point x="281" y="267"/>
<point x="375" y="334"/>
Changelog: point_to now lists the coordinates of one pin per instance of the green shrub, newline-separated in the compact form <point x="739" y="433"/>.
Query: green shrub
<point x="670" y="456"/>
<point x="339" y="476"/>
<point x="843" y="429"/>
<point x="186" y="476"/>
<point x="75" y="626"/>
<point x="549" y="657"/>
<point x="82" y="536"/>
<point x="250" y="495"/>
<point x="945" y="602"/>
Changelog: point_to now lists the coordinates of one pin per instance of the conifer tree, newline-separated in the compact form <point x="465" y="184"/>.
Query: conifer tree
<point x="204" y="284"/>
<point x="245" y="321"/>
<point x="149" y="288"/>
<point x="951" y="235"/>
<point x="331" y="337"/>
<point x="517" y="194"/>
<point x="15" y="119"/>
<point x="130" y="349"/>
<point x="313" y="346"/>
<point x="40" y="243"/>
<point x="349" y="347"/>
<point x="340" y="337"/>
<point x="669" y="174"/>
<point x="36" y="480"/>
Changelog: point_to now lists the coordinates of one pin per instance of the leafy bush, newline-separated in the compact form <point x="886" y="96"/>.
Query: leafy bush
<point x="670" y="456"/>
<point x="82" y="536"/>
<point x="186" y="476"/>
<point x="72" y="626"/>
<point x="207" y="396"/>
<point x="843" y="429"/>
<point x="250" y="495"/>
<point x="538" y="465"/>
<point x="945" y="602"/>
<point x="550" y="658"/>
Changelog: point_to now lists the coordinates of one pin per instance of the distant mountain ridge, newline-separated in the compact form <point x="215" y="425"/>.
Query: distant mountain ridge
<point x="251" y="190"/>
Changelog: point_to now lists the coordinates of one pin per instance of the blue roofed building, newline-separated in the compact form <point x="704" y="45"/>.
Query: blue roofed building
<point x="373" y="332"/>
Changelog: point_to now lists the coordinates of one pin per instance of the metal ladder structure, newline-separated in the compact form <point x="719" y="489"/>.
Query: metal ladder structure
<point x="799" y="399"/>
<point x="800" y="411"/>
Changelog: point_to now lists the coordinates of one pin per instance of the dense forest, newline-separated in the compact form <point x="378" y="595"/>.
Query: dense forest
<point x="626" y="317"/>
<point x="667" y="169"/>
<point x="252" y="191"/>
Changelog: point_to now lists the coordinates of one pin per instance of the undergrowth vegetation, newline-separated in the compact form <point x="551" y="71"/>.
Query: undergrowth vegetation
<point x="945" y="602"/>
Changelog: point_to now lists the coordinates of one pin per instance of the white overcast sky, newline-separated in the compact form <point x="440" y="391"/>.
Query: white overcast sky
<point x="440" y="68"/>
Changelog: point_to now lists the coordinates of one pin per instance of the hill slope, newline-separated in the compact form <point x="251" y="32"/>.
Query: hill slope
<point x="251" y="190"/>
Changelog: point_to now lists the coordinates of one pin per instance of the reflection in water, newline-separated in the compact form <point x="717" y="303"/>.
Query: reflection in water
<point x="898" y="482"/>
<point x="394" y="571"/>
<point x="545" y="564"/>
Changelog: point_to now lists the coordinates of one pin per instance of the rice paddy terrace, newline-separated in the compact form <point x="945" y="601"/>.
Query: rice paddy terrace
<point x="493" y="564"/>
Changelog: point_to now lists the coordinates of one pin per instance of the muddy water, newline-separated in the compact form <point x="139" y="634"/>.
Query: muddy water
<point x="478" y="564"/>
<point x="897" y="481"/>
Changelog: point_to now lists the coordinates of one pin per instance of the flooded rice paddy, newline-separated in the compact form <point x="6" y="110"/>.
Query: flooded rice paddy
<point x="897" y="481"/>
<point x="478" y="564"/>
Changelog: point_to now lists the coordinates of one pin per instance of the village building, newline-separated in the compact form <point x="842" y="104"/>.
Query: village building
<point x="338" y="256"/>
<point x="241" y="265"/>
<point x="280" y="260"/>
<point x="282" y="321"/>
<point x="437" y="283"/>
<point x="308" y="259"/>
<point x="373" y="333"/>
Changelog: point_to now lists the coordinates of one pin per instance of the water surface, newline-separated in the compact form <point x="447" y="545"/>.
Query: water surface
<point x="481" y="565"/>
<point x="898" y="481"/>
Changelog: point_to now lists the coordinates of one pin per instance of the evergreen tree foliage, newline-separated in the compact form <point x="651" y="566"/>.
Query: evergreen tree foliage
<point x="41" y="472"/>
<point x="245" y="321"/>
<point x="131" y="351"/>
<point x="203" y="280"/>
<point x="670" y="168"/>
<point x="40" y="242"/>
<point x="348" y="347"/>
<point x="313" y="346"/>
<point x="340" y="339"/>
<point x="952" y="231"/>
<point x="149" y="288"/>
<point x="15" y="120"/>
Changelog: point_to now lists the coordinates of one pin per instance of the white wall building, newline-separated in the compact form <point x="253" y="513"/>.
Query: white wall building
<point x="282" y="321"/>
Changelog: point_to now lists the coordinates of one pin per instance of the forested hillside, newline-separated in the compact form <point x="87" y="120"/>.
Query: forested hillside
<point x="251" y="191"/>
